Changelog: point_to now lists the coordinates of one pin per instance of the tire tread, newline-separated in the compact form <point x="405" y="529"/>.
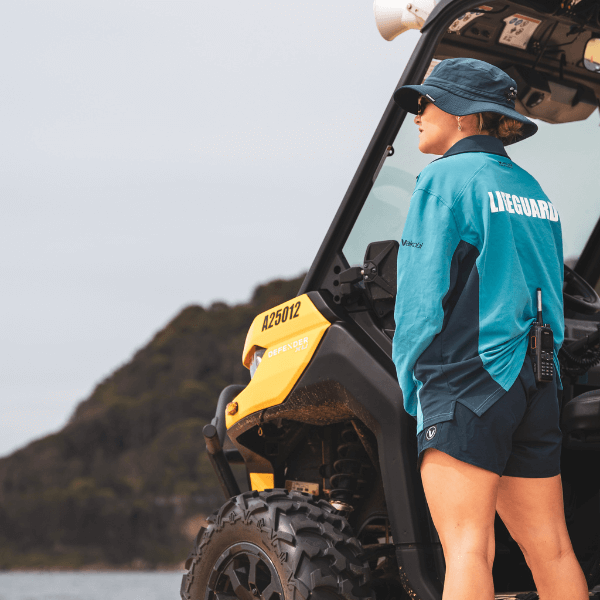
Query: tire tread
<point x="312" y="542"/>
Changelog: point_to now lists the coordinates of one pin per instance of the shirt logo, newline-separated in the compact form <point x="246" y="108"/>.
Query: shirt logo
<point x="540" y="209"/>
<point x="430" y="433"/>
<point x="417" y="245"/>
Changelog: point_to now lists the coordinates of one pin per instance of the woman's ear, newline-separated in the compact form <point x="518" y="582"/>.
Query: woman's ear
<point x="470" y="124"/>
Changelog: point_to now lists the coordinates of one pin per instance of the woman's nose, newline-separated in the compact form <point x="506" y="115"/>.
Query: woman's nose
<point x="416" y="119"/>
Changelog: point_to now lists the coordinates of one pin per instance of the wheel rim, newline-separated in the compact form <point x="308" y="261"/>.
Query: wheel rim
<point x="244" y="572"/>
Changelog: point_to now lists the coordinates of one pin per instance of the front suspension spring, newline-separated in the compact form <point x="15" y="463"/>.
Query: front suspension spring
<point x="352" y="462"/>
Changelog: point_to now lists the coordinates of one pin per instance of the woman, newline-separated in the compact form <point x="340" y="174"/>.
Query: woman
<point x="484" y="237"/>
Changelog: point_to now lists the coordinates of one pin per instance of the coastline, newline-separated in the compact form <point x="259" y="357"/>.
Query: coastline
<point x="98" y="568"/>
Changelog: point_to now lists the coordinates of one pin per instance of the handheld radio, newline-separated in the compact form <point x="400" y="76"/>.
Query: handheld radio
<point x="541" y="346"/>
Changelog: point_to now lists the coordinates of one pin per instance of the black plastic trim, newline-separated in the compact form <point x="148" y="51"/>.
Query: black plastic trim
<point x="321" y="305"/>
<point x="370" y="391"/>
<point x="582" y="413"/>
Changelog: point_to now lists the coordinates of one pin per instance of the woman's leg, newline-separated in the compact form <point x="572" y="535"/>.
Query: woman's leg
<point x="462" y="502"/>
<point x="533" y="512"/>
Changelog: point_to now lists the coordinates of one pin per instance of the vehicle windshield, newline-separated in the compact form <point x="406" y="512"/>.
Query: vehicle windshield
<point x="563" y="158"/>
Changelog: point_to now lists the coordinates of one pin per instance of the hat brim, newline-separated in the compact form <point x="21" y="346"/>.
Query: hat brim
<point x="408" y="98"/>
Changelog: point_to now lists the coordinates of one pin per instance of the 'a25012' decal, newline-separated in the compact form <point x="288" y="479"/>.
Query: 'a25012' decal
<point x="281" y="316"/>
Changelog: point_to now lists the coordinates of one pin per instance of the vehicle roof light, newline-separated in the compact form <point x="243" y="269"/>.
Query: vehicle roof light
<point x="394" y="17"/>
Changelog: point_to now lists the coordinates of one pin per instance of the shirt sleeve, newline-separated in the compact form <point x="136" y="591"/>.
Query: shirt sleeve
<point x="428" y="242"/>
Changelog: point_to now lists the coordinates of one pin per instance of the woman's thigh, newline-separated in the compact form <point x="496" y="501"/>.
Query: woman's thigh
<point x="462" y="501"/>
<point x="532" y="510"/>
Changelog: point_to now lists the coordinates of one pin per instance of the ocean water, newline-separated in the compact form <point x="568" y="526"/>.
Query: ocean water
<point x="35" y="585"/>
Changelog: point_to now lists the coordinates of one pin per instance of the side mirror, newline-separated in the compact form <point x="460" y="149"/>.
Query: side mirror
<point x="380" y="282"/>
<point x="377" y="277"/>
<point x="591" y="55"/>
<point x="380" y="270"/>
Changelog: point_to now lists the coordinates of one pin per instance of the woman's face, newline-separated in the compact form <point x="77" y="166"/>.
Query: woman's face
<point x="438" y="130"/>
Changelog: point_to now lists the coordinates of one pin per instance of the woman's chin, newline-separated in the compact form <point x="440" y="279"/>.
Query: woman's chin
<point x="424" y="146"/>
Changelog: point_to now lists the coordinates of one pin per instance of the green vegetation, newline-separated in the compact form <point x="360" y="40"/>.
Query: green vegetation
<point x="117" y="483"/>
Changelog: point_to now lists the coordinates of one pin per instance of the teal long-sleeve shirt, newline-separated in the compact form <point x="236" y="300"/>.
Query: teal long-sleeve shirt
<point x="480" y="237"/>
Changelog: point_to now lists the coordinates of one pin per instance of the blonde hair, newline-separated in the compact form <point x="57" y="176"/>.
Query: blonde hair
<point x="506" y="129"/>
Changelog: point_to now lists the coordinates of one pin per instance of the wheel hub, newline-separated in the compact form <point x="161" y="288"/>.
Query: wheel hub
<point x="244" y="572"/>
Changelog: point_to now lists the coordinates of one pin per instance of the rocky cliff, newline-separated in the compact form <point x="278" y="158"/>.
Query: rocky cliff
<point x="117" y="485"/>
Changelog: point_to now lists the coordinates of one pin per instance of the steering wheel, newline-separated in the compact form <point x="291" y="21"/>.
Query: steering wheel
<point x="584" y="298"/>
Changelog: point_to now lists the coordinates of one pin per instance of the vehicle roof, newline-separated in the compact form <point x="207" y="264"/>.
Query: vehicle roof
<point x="554" y="48"/>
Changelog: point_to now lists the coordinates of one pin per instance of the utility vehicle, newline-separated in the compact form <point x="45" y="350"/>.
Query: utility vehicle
<point x="336" y="507"/>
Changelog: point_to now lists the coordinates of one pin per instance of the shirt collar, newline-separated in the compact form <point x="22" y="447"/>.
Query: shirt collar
<point x="478" y="143"/>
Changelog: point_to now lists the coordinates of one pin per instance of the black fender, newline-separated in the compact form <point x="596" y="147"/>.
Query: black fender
<point x="349" y="361"/>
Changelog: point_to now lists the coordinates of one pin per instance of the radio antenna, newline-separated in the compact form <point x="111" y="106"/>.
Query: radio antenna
<point x="539" y="306"/>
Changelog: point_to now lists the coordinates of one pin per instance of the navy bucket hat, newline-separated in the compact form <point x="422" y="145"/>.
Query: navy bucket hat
<point x="465" y="86"/>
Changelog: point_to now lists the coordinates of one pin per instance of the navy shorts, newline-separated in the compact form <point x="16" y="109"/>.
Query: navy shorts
<point x="519" y="435"/>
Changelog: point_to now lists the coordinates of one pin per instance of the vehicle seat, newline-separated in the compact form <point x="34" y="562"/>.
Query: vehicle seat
<point x="580" y="421"/>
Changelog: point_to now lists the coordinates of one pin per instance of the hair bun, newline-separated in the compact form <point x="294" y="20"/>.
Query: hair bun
<point x="506" y="129"/>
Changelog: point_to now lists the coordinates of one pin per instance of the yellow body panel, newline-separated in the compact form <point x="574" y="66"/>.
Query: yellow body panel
<point x="290" y="333"/>
<point x="262" y="481"/>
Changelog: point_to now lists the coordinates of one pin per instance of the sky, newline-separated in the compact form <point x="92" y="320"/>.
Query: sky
<point x="156" y="154"/>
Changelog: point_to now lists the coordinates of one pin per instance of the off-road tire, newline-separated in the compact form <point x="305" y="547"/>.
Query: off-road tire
<point x="308" y="543"/>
